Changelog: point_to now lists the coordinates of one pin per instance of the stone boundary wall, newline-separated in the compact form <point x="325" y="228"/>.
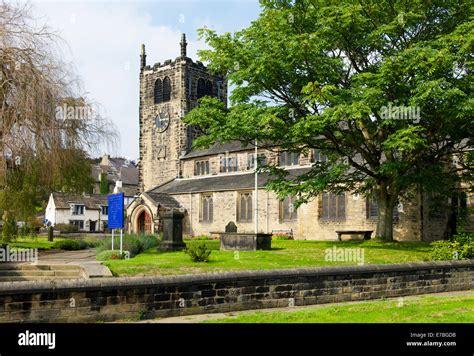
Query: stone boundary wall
<point x="108" y="299"/>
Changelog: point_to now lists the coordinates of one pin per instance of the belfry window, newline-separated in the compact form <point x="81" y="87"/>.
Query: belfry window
<point x="158" y="96"/>
<point x="166" y="89"/>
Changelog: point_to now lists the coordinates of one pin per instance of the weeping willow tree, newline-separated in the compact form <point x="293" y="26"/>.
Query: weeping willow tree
<point x="48" y="126"/>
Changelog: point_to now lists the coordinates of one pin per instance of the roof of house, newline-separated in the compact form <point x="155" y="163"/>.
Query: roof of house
<point x="232" y="146"/>
<point x="127" y="174"/>
<point x="91" y="201"/>
<point x="221" y="182"/>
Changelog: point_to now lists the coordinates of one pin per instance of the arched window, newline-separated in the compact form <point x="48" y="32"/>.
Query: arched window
<point x="158" y="91"/>
<point x="166" y="89"/>
<point x="201" y="89"/>
<point x="209" y="88"/>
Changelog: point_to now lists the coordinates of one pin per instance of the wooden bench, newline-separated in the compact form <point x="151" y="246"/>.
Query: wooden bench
<point x="367" y="233"/>
<point x="288" y="232"/>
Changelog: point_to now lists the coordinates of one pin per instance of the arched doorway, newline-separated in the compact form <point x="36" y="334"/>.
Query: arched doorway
<point x="144" y="222"/>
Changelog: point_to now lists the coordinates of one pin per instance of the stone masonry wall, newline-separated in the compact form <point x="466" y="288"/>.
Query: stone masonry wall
<point x="307" y="226"/>
<point x="146" y="297"/>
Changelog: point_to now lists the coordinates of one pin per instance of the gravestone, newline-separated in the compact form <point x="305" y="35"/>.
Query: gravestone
<point x="172" y="231"/>
<point x="231" y="227"/>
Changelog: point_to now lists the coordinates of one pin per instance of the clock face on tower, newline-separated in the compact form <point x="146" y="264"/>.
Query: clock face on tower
<point x="162" y="121"/>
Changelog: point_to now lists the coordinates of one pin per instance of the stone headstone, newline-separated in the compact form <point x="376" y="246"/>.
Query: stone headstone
<point x="172" y="231"/>
<point x="231" y="227"/>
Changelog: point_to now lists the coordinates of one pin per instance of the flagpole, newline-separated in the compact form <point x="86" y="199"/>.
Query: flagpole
<point x="256" y="187"/>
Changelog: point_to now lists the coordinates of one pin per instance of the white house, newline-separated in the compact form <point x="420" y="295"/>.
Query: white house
<point x="89" y="212"/>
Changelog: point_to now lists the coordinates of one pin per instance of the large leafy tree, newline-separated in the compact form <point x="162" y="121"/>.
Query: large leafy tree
<point x="330" y="75"/>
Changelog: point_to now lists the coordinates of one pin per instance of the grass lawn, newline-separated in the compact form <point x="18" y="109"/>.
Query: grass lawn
<point x="446" y="308"/>
<point x="284" y="254"/>
<point x="39" y="242"/>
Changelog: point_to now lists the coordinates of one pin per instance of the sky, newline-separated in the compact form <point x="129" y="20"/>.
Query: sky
<point x="102" y="45"/>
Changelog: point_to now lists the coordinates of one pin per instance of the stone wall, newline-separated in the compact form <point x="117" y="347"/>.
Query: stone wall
<point x="145" y="297"/>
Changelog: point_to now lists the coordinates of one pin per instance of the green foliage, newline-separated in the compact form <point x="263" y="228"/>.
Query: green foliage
<point x="281" y="237"/>
<point x="71" y="245"/>
<point x="198" y="252"/>
<point x="110" y="255"/>
<point x="323" y="75"/>
<point x="9" y="228"/>
<point x="202" y="238"/>
<point x="464" y="238"/>
<point x="104" y="184"/>
<point x="27" y="185"/>
<point x="451" y="250"/>
<point x="134" y="244"/>
<point x="66" y="228"/>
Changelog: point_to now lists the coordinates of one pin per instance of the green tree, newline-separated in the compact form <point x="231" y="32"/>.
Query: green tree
<point x="9" y="228"/>
<point x="336" y="76"/>
<point x="104" y="184"/>
<point x="47" y="124"/>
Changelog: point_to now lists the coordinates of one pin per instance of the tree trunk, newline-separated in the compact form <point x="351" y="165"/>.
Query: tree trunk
<point x="385" y="214"/>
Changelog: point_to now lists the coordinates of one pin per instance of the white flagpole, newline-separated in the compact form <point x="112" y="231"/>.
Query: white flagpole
<point x="121" y="235"/>
<point x="256" y="187"/>
<point x="112" y="239"/>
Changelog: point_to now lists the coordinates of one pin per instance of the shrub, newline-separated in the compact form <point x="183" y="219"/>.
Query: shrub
<point x="451" y="250"/>
<point x="463" y="238"/>
<point x="71" y="245"/>
<point x="66" y="228"/>
<point x="110" y="255"/>
<point x="281" y="237"/>
<point x="198" y="252"/>
<point x="131" y="243"/>
<point x="9" y="228"/>
<point x="148" y="241"/>
<point x="28" y="230"/>
<point x="201" y="238"/>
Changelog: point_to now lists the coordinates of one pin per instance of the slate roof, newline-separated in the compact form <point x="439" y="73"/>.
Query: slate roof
<point x="221" y="182"/>
<point x="164" y="200"/>
<point x="127" y="174"/>
<point x="232" y="146"/>
<point x="91" y="201"/>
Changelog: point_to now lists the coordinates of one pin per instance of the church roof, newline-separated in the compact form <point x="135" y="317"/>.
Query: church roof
<point x="217" y="148"/>
<point x="221" y="182"/>
<point x="163" y="200"/>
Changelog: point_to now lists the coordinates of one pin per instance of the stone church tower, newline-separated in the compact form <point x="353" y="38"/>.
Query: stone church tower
<point x="168" y="91"/>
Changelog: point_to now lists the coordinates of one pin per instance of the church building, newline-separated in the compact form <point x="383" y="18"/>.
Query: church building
<point x="215" y="186"/>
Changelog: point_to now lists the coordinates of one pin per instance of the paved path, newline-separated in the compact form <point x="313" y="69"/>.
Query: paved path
<point x="66" y="257"/>
<point x="84" y="258"/>
<point x="189" y="319"/>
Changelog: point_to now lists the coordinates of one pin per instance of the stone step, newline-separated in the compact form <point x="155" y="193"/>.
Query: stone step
<point x="32" y="273"/>
<point x="51" y="267"/>
<point x="35" y="278"/>
<point x="32" y="267"/>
